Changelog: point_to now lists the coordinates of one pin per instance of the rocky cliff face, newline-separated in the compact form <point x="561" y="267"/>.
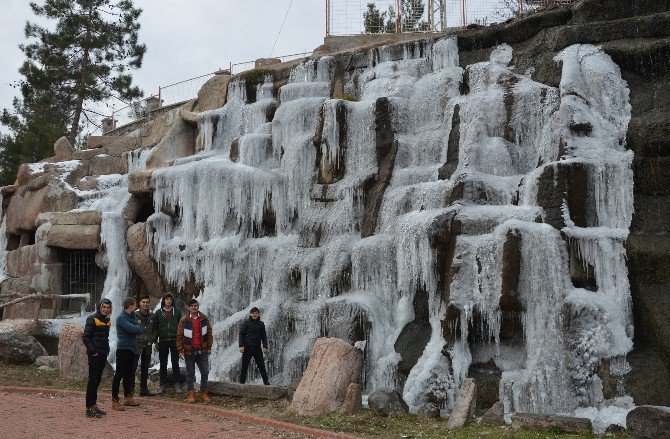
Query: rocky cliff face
<point x="489" y="203"/>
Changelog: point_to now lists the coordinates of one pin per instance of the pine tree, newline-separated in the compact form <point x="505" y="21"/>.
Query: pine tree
<point x="374" y="20"/>
<point x="82" y="57"/>
<point x="412" y="11"/>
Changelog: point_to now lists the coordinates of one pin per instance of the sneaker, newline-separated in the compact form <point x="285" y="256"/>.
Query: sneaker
<point x="97" y="409"/>
<point x="267" y="383"/>
<point x="177" y="388"/>
<point x="91" y="413"/>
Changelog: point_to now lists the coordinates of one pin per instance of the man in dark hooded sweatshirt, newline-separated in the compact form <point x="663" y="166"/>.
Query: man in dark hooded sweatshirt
<point x="252" y="337"/>
<point x="96" y="340"/>
<point x="167" y="322"/>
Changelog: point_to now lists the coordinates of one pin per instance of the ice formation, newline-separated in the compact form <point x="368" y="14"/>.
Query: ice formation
<point x="417" y="203"/>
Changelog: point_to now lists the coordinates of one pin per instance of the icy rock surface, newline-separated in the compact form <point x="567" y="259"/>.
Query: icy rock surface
<point x="338" y="218"/>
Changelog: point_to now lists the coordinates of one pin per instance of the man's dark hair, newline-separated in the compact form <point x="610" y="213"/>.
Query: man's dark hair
<point x="145" y="296"/>
<point x="254" y="309"/>
<point x="128" y="302"/>
<point x="192" y="301"/>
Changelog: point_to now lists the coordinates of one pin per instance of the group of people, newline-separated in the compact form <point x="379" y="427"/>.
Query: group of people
<point x="187" y="337"/>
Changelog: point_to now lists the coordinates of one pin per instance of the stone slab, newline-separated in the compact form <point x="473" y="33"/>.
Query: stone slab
<point x="227" y="388"/>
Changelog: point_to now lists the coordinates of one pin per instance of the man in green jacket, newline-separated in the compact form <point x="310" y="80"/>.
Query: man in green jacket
<point x="147" y="321"/>
<point x="167" y="322"/>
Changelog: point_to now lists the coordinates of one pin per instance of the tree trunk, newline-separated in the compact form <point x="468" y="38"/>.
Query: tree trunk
<point x="82" y="83"/>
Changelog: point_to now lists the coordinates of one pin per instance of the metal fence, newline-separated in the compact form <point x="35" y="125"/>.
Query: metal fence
<point x="353" y="17"/>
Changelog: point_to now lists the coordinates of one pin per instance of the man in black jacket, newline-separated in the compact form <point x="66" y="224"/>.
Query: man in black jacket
<point x="252" y="336"/>
<point x="96" y="339"/>
<point x="147" y="321"/>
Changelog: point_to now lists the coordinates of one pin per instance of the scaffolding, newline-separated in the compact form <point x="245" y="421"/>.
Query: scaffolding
<point x="354" y="17"/>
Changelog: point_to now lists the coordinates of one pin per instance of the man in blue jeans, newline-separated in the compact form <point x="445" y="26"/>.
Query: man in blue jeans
<point x="127" y="330"/>
<point x="96" y="339"/>
<point x="194" y="342"/>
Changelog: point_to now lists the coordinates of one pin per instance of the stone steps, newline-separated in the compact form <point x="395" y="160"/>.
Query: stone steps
<point x="649" y="259"/>
<point x="652" y="214"/>
<point x="649" y="136"/>
<point x="652" y="176"/>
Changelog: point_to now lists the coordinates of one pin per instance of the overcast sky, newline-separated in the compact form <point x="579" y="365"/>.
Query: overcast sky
<point x="187" y="38"/>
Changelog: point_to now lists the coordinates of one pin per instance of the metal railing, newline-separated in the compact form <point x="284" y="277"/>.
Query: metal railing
<point x="181" y="91"/>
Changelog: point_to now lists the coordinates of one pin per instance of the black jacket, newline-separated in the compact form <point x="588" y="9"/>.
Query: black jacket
<point x="96" y="334"/>
<point x="252" y="333"/>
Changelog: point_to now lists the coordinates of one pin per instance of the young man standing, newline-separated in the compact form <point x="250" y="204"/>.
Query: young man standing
<point x="167" y="321"/>
<point x="252" y="336"/>
<point x="96" y="339"/>
<point x="194" y="342"/>
<point x="147" y="321"/>
<point x="127" y="330"/>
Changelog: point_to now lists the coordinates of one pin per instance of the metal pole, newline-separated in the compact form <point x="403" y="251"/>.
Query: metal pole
<point x="398" y="18"/>
<point x="327" y="17"/>
<point x="431" y="15"/>
<point x="463" y="14"/>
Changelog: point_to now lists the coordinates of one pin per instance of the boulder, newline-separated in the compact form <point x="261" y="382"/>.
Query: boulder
<point x="24" y="208"/>
<point x="99" y="141"/>
<point x="76" y="237"/>
<point x="332" y="366"/>
<point x="154" y="375"/>
<point x="227" y="388"/>
<point x="464" y="408"/>
<point x="213" y="93"/>
<point x="353" y="401"/>
<point x="535" y="421"/>
<point x="20" y="348"/>
<point x="81" y="218"/>
<point x="649" y="422"/>
<point x="140" y="260"/>
<point x="47" y="362"/>
<point x="495" y="415"/>
<point x="265" y="62"/>
<point x="72" y="357"/>
<point x="63" y="149"/>
<point x="387" y="401"/>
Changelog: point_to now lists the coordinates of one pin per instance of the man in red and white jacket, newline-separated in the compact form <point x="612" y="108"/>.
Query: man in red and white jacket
<point x="194" y="343"/>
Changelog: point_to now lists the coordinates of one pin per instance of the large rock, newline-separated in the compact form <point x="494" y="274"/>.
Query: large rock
<point x="387" y="401"/>
<point x="63" y="149"/>
<point x="47" y="362"/>
<point x="495" y="415"/>
<point x="72" y="236"/>
<point x="535" y="421"/>
<point x="213" y="93"/>
<point x="466" y="402"/>
<point x="104" y="164"/>
<point x="227" y="388"/>
<point x="140" y="261"/>
<point x="23" y="209"/>
<point x="649" y="422"/>
<point x="81" y="218"/>
<point x="333" y="365"/>
<point x="20" y="348"/>
<point x="72" y="357"/>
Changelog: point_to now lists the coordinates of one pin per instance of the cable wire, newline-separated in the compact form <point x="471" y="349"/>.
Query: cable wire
<point x="281" y="28"/>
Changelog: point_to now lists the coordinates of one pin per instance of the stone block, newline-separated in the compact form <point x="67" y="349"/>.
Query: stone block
<point x="464" y="408"/>
<point x="74" y="237"/>
<point x="80" y="218"/>
<point x="93" y="142"/>
<point x="23" y="209"/>
<point x="140" y="183"/>
<point x="103" y="164"/>
<point x="226" y="388"/>
<point x="353" y="401"/>
<point x="333" y="365"/>
<point x="495" y="415"/>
